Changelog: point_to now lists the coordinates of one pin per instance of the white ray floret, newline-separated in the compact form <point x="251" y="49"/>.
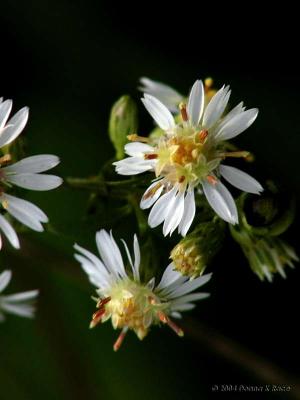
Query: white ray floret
<point x="188" y="157"/>
<point x="125" y="299"/>
<point x="167" y="95"/>
<point x="27" y="174"/>
<point x="20" y="304"/>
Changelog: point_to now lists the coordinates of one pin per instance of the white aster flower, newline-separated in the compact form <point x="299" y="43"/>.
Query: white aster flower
<point x="128" y="302"/>
<point x="188" y="157"/>
<point x="19" y="303"/>
<point x="25" y="174"/>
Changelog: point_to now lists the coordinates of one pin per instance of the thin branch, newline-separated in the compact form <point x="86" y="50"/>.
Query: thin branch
<point x="259" y="367"/>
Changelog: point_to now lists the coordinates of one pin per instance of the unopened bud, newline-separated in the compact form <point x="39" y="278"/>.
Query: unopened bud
<point x="123" y="122"/>
<point x="195" y="251"/>
<point x="262" y="220"/>
<point x="267" y="255"/>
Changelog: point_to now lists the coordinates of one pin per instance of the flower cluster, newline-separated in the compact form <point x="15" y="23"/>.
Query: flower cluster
<point x="187" y="155"/>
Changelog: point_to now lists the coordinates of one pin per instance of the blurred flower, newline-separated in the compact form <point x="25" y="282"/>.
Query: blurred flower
<point x="263" y="220"/>
<point x="25" y="174"/>
<point x="188" y="156"/>
<point x="266" y="255"/>
<point x="128" y="302"/>
<point x="19" y="304"/>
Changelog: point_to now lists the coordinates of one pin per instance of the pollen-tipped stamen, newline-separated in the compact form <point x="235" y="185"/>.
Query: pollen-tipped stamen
<point x="203" y="135"/>
<point x="136" y="138"/>
<point x="208" y="83"/>
<point x="212" y="179"/>
<point x="4" y="203"/>
<point x="97" y="316"/>
<point x="235" y="154"/>
<point x="151" y="156"/>
<point x="152" y="191"/>
<point x="5" y="159"/>
<point x="166" y="320"/>
<point x="183" y="112"/>
<point x="120" y="339"/>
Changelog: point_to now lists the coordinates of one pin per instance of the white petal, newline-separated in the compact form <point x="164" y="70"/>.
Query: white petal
<point x="9" y="232"/>
<point x="169" y="276"/>
<point x="5" y="278"/>
<point x="97" y="263"/>
<point x="189" y="286"/>
<point x="190" y="297"/>
<point x="167" y="95"/>
<point x="164" y="292"/>
<point x="240" y="179"/>
<point x="22" y="310"/>
<point x="117" y="256"/>
<point x="161" y="208"/>
<point x="129" y="256"/>
<point x="110" y="253"/>
<point x="127" y="171"/>
<point x="14" y="127"/>
<point x="216" y="107"/>
<point x="267" y="273"/>
<point x="183" y="307"/>
<point x="232" y="113"/>
<point x="174" y="215"/>
<point x="5" y="109"/>
<point x="137" y="258"/>
<point x="146" y="201"/>
<point x="278" y="264"/>
<point x="137" y="149"/>
<point x="133" y="166"/>
<point x="196" y="103"/>
<point x="237" y="124"/>
<point x="159" y="112"/>
<point x="25" y="212"/>
<point x="290" y="251"/>
<point x="221" y="201"/>
<point x="35" y="181"/>
<point x="34" y="164"/>
<point x="22" y="296"/>
<point x="98" y="277"/>
<point x="176" y="314"/>
<point x="189" y="213"/>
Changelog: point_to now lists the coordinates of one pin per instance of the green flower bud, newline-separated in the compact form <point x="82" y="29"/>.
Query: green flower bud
<point x="267" y="255"/>
<point x="123" y="122"/>
<point x="262" y="220"/>
<point x="195" y="251"/>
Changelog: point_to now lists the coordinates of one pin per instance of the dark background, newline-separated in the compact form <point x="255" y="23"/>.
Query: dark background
<point x="69" y="61"/>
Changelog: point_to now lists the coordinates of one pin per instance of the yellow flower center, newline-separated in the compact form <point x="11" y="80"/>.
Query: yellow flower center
<point x="185" y="150"/>
<point x="185" y="157"/>
<point x="130" y="305"/>
<point x="186" y="261"/>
